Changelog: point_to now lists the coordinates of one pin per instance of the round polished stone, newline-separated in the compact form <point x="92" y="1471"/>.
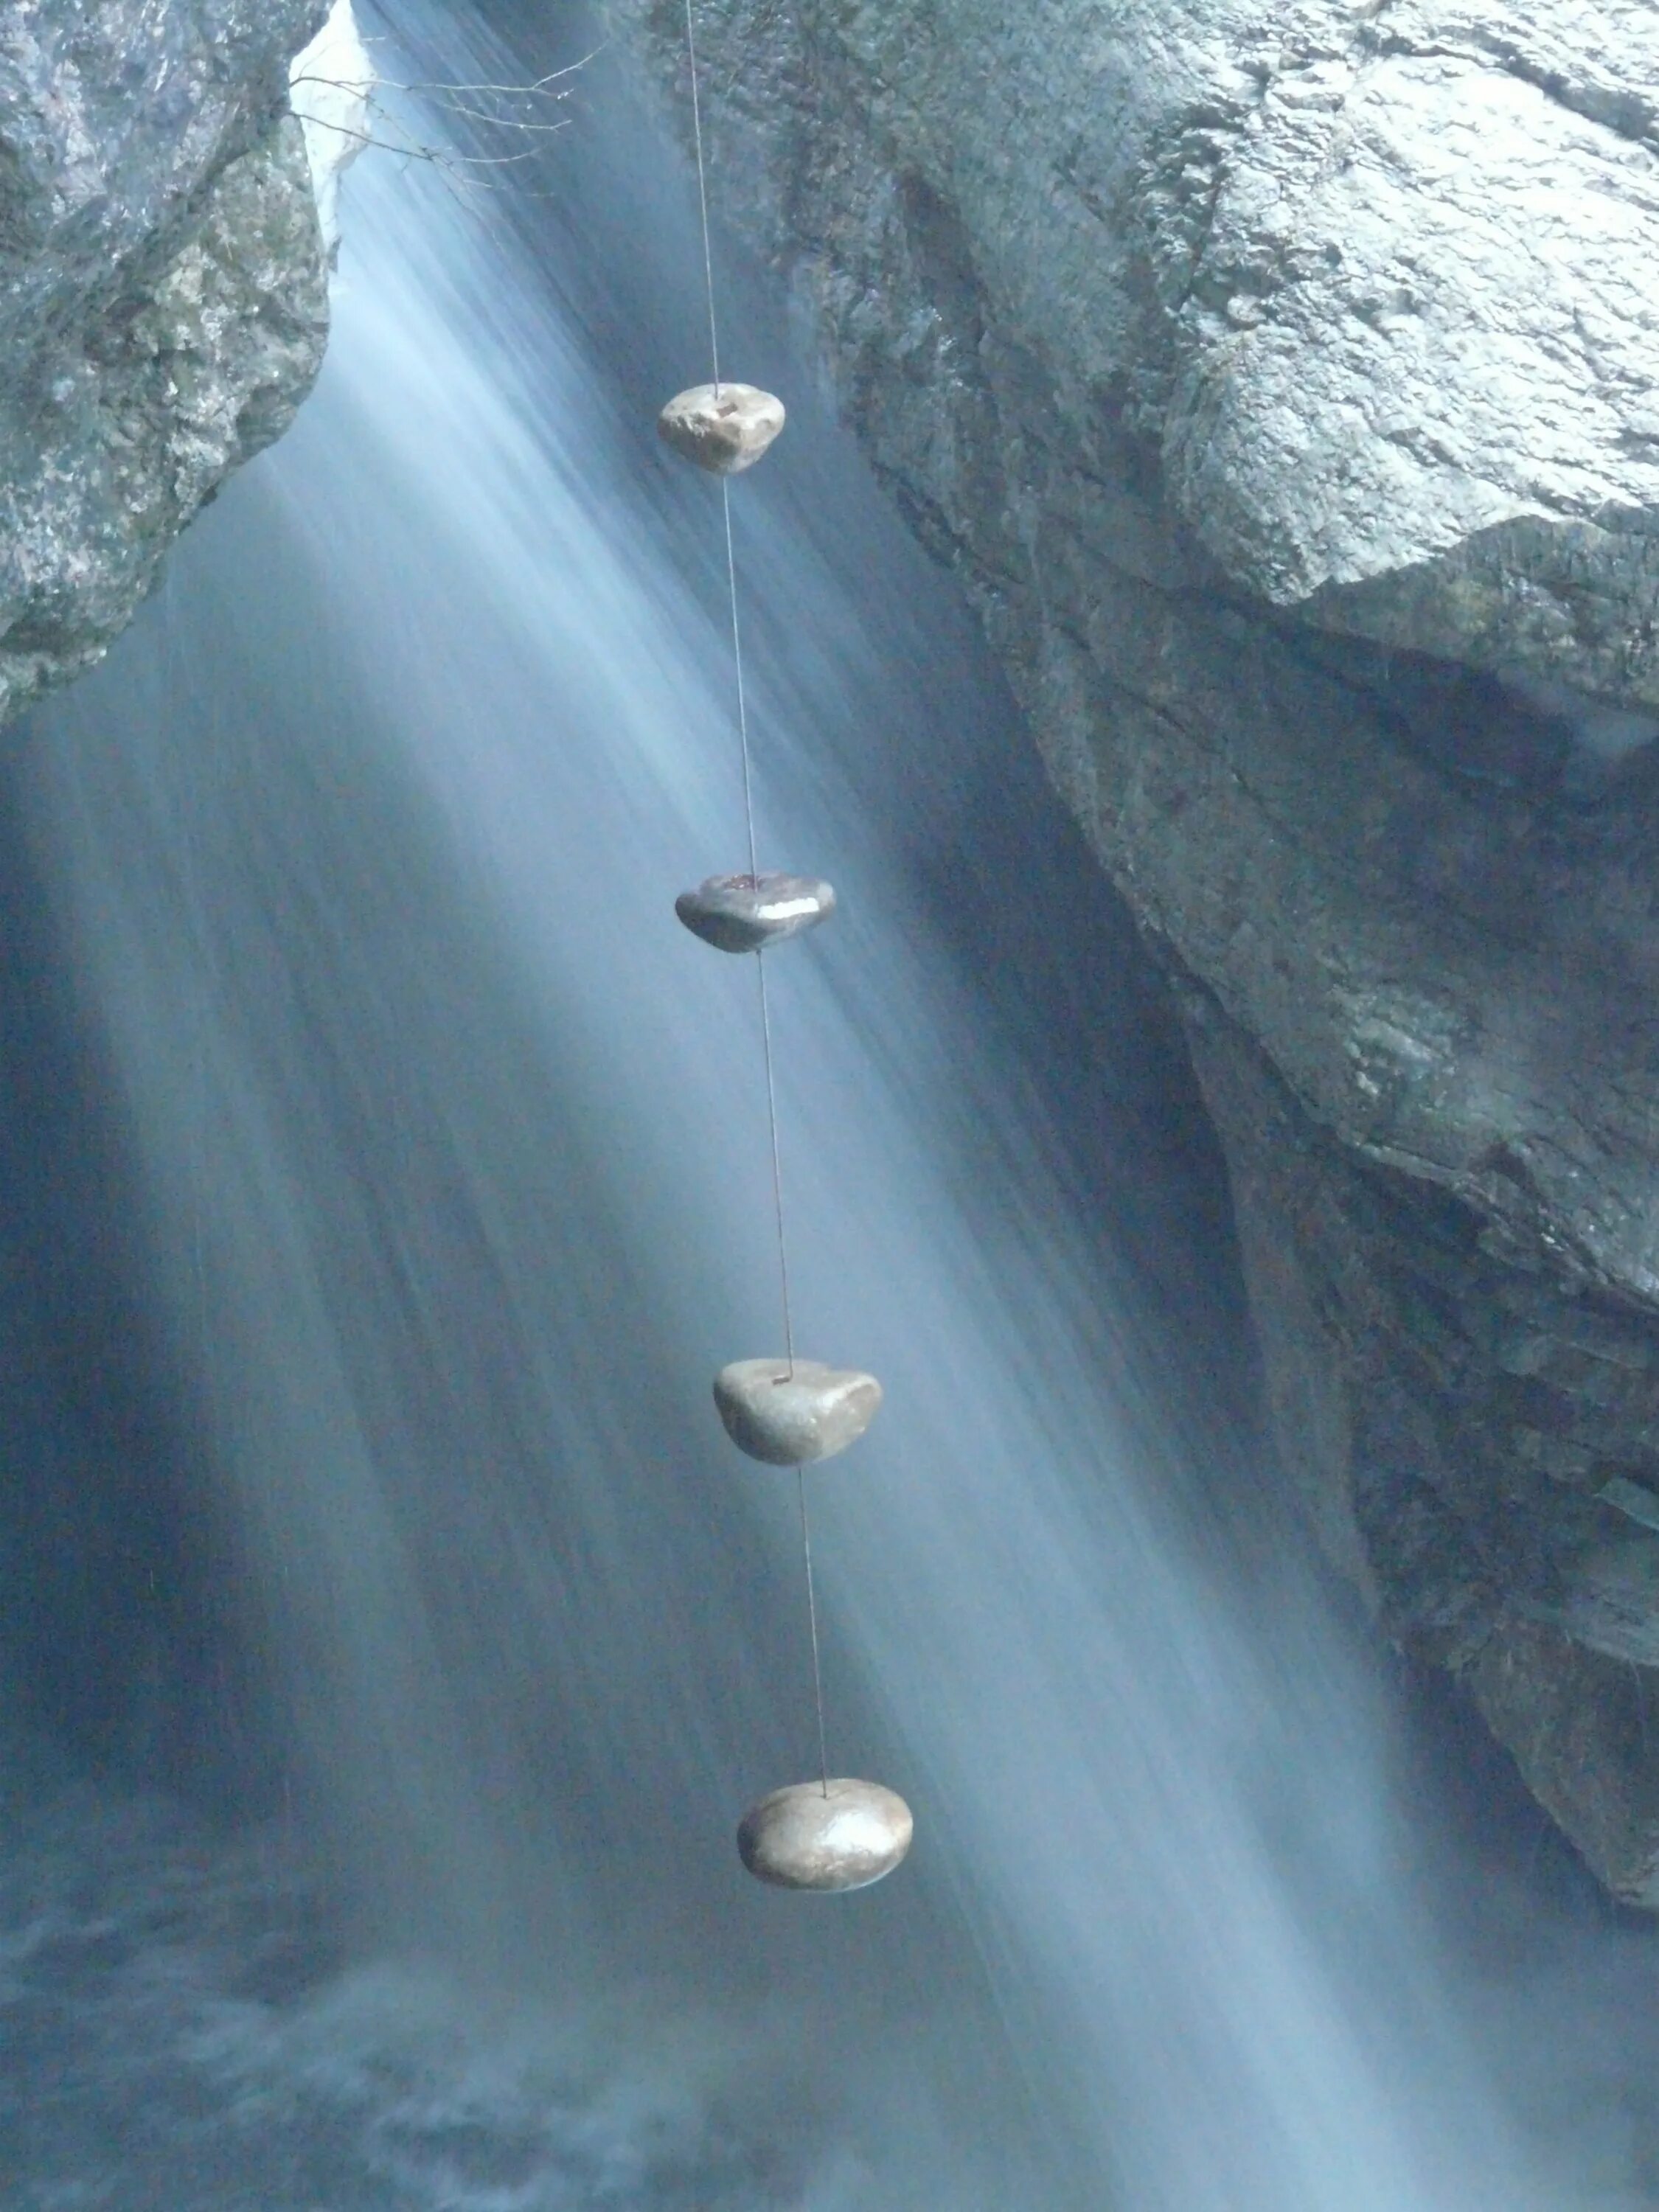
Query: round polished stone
<point x="741" y="914"/>
<point x="789" y="1418"/>
<point x="723" y="427"/>
<point x="841" y="1834"/>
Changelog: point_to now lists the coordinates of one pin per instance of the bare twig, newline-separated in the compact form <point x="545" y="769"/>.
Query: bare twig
<point x="487" y="106"/>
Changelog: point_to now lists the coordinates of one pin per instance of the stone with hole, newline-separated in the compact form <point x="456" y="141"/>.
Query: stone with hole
<point x="842" y="1834"/>
<point x="789" y="1418"/>
<point x="741" y="914"/>
<point x="723" y="427"/>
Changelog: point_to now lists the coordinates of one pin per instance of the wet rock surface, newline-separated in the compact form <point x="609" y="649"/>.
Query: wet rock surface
<point x="724" y="428"/>
<point x="162" y="295"/>
<point x="1279" y="383"/>
<point x="1476" y="1445"/>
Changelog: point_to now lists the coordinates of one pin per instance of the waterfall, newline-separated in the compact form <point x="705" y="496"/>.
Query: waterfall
<point x="452" y="1187"/>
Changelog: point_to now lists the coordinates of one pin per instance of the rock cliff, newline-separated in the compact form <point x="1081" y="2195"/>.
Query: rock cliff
<point x="1282" y="381"/>
<point x="162" y="295"/>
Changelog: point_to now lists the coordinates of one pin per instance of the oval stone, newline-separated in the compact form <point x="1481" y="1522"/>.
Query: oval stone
<point x="841" y="1835"/>
<point x="790" y="1419"/>
<point x="722" y="428"/>
<point x="740" y="914"/>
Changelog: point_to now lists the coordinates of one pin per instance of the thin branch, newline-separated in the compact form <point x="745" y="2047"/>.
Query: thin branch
<point x="386" y="134"/>
<point x="441" y="155"/>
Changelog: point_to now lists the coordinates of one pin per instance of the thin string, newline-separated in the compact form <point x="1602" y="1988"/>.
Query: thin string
<point x="754" y="874"/>
<point x="743" y="697"/>
<point x="702" y="197"/>
<point x="812" y="1619"/>
<point x="777" y="1167"/>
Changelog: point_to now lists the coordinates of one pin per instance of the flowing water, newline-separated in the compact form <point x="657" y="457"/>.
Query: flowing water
<point x="429" y="1185"/>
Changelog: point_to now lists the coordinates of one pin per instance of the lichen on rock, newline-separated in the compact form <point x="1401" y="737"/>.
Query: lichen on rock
<point x="162" y="296"/>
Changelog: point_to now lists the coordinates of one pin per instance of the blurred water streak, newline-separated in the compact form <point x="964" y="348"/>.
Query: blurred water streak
<point x="456" y="1191"/>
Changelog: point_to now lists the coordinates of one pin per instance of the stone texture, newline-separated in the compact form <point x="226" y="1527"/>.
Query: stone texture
<point x="834" y="1835"/>
<point x="724" y="428"/>
<point x="790" y="1413"/>
<point x="1279" y="381"/>
<point x="162" y="295"/>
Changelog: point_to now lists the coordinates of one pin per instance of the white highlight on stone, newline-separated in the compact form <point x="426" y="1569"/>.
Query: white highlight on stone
<point x="791" y="1417"/>
<point x="330" y="85"/>
<point x="741" y="914"/>
<point x="838" y="1835"/>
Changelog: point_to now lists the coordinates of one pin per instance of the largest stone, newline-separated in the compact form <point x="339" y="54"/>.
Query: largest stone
<point x="1280" y="380"/>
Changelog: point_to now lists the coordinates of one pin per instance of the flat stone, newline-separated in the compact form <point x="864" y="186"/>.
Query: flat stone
<point x="841" y="1834"/>
<point x="740" y="914"/>
<point x="722" y="428"/>
<point x="790" y="1418"/>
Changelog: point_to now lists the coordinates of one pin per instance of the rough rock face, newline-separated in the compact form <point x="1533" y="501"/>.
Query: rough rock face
<point x="1283" y="382"/>
<point x="162" y="295"/>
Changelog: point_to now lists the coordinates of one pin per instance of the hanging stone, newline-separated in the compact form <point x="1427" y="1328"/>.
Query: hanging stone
<point x="841" y="1835"/>
<point x="790" y="1419"/>
<point x="723" y="427"/>
<point x="740" y="914"/>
